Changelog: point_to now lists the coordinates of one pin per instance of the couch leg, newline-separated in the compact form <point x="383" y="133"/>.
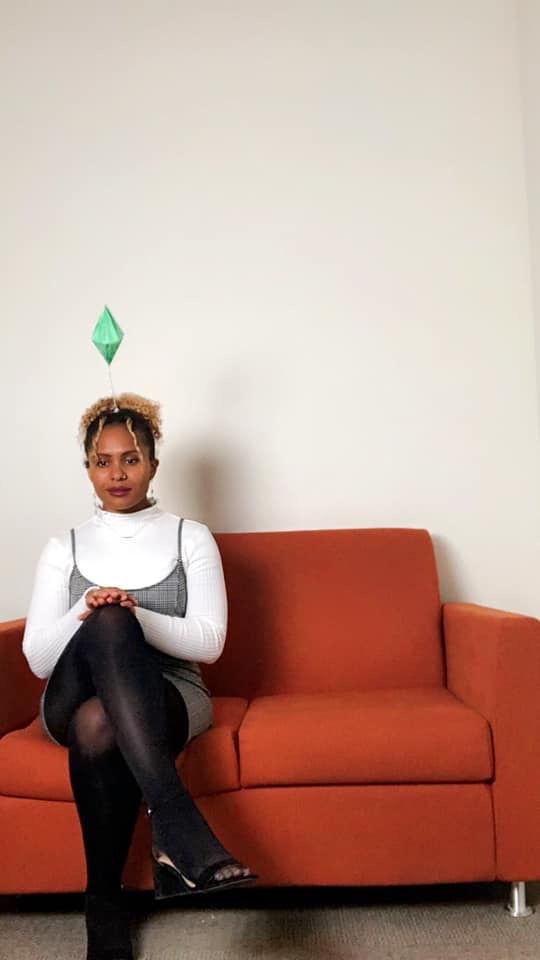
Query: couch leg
<point x="517" y="907"/>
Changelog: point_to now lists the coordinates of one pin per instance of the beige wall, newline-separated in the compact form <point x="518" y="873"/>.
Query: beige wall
<point x="529" y="40"/>
<point x="311" y="220"/>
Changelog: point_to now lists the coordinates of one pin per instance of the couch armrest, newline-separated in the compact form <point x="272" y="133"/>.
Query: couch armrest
<point x="493" y="665"/>
<point x="20" y="690"/>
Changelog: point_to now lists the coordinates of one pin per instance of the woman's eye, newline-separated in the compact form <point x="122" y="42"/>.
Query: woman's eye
<point x="101" y="463"/>
<point x="131" y="460"/>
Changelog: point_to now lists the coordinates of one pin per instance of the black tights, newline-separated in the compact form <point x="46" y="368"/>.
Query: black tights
<point x="124" y="724"/>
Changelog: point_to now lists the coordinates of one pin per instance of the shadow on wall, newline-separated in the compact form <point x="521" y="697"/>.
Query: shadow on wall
<point x="214" y="485"/>
<point x="209" y="484"/>
<point x="211" y="478"/>
<point x="452" y="586"/>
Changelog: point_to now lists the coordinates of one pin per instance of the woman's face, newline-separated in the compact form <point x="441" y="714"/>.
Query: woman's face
<point x="120" y="473"/>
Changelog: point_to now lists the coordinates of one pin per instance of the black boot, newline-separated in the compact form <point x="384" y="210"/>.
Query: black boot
<point x="107" y="928"/>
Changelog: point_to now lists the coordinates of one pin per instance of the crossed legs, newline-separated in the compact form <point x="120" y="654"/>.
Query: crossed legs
<point x="105" y="791"/>
<point x="123" y="723"/>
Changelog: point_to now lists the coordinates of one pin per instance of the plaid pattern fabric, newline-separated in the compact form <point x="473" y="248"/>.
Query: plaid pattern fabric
<point x="169" y="596"/>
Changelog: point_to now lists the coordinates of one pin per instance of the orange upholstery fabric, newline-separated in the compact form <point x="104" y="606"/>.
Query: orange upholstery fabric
<point x="494" y="666"/>
<point x="423" y="735"/>
<point x="360" y="835"/>
<point x="20" y="690"/>
<point x="210" y="763"/>
<point x="293" y="835"/>
<point x="32" y="766"/>
<point x="41" y="845"/>
<point x="322" y="611"/>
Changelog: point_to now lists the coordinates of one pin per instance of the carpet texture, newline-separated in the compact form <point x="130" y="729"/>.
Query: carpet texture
<point x="428" y="923"/>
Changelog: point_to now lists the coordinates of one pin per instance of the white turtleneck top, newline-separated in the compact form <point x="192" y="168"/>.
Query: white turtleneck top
<point x="130" y="551"/>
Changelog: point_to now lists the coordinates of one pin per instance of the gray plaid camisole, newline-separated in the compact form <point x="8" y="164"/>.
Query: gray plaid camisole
<point x="169" y="596"/>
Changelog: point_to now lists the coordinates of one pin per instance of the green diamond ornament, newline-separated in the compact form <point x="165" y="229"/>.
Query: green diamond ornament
<point x="107" y="335"/>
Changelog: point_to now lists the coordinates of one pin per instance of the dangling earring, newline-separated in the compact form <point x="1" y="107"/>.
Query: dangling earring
<point x="152" y="499"/>
<point x="98" y="505"/>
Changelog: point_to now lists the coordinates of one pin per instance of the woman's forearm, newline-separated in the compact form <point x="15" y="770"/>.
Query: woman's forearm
<point x="189" y="638"/>
<point x="43" y="645"/>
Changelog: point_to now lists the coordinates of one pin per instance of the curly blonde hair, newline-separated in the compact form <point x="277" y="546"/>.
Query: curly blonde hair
<point x="139" y="414"/>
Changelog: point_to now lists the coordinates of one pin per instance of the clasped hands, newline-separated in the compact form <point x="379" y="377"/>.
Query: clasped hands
<point x="107" y="596"/>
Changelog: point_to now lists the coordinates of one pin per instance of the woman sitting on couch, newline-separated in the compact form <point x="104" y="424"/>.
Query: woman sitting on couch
<point x="125" y="693"/>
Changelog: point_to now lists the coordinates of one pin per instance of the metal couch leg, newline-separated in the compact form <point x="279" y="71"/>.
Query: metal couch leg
<point x="517" y="906"/>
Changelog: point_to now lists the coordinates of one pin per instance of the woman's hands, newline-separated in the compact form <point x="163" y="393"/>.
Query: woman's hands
<point x="103" y="596"/>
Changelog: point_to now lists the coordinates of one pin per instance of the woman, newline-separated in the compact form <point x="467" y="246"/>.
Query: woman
<point x="125" y="693"/>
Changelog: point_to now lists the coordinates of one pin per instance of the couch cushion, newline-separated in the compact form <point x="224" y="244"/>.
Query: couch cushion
<point x="33" y="766"/>
<point x="423" y="735"/>
<point x="322" y="611"/>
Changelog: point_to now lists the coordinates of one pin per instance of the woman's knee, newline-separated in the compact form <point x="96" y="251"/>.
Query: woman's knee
<point x="112" y="615"/>
<point x="110" y="626"/>
<point x="90" y="730"/>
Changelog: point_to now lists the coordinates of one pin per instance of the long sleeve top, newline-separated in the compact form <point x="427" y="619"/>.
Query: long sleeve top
<point x="130" y="551"/>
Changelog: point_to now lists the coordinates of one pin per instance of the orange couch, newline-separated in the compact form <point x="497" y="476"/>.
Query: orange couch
<point x="363" y="735"/>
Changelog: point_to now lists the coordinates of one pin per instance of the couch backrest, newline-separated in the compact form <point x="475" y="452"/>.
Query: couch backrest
<point x="328" y="610"/>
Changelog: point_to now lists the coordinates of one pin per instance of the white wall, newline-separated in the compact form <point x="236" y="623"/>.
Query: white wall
<point x="311" y="220"/>
<point x="529" y="40"/>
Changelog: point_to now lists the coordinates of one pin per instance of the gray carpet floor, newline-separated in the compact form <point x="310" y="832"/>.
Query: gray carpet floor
<point x="462" y="922"/>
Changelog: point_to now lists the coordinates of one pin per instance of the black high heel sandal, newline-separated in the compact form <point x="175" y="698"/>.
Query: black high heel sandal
<point x="178" y="874"/>
<point x="169" y="881"/>
<point x="107" y="929"/>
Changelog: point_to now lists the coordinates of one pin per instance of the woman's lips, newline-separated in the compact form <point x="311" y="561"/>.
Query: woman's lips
<point x="119" y="491"/>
